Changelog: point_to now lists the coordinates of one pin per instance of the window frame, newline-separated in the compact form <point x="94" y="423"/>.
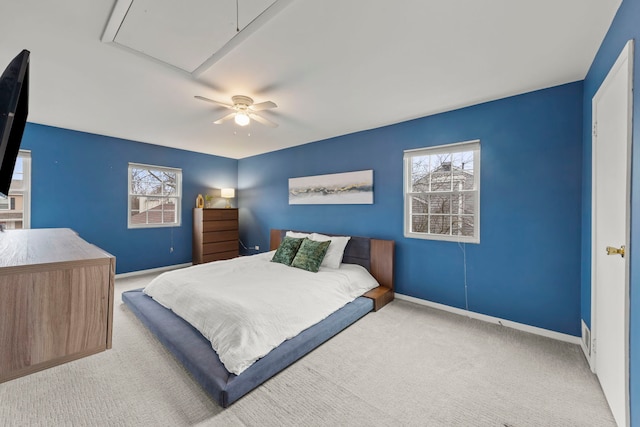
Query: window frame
<point x="24" y="191"/>
<point x="474" y="146"/>
<point x="177" y="196"/>
<point x="10" y="203"/>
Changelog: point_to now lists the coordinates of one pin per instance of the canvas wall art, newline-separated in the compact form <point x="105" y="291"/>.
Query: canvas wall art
<point x="349" y="188"/>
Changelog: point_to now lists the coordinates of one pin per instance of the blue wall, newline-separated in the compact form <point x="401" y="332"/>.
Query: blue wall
<point x="527" y="266"/>
<point x="79" y="181"/>
<point x="624" y="27"/>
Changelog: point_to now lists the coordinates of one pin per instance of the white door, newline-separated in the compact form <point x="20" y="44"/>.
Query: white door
<point x="610" y="228"/>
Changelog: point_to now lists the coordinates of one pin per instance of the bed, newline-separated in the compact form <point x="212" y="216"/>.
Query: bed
<point x="195" y="351"/>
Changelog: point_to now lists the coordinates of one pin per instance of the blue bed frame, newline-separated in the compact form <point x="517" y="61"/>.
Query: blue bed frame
<point x="194" y="351"/>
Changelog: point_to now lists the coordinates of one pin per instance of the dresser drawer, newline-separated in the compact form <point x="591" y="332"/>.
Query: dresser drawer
<point x="219" y="256"/>
<point x="219" y="214"/>
<point x="210" y="248"/>
<point x="220" y="236"/>
<point x="223" y="225"/>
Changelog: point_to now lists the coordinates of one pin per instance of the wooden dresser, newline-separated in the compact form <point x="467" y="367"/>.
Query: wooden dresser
<point x="215" y="234"/>
<point x="56" y="300"/>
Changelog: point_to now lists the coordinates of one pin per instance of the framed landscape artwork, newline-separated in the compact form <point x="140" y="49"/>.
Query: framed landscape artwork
<point x="348" y="188"/>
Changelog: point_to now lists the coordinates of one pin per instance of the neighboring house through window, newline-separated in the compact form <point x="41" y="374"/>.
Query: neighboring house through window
<point x="442" y="192"/>
<point x="154" y="196"/>
<point x="15" y="210"/>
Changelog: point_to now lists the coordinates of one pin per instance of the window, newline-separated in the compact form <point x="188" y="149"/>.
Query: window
<point x="8" y="204"/>
<point x="154" y="196"/>
<point x="15" y="209"/>
<point x="442" y="192"/>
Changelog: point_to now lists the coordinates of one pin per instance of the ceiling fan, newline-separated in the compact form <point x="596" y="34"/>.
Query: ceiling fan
<point x="243" y="110"/>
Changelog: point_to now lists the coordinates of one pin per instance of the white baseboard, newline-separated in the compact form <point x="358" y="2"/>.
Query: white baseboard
<point x="496" y="320"/>
<point x="152" y="270"/>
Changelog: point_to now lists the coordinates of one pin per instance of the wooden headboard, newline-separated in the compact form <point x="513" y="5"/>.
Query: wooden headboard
<point x="376" y="255"/>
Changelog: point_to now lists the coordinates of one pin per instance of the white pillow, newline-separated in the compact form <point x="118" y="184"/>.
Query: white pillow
<point x="333" y="257"/>
<point x="297" y="235"/>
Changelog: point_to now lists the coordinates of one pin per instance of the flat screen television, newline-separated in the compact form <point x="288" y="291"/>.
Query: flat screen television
<point x="14" y="107"/>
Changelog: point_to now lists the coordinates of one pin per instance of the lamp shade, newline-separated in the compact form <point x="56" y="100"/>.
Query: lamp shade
<point x="228" y="193"/>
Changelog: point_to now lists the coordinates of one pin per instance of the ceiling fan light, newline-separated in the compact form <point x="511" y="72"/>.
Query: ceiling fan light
<point x="242" y="119"/>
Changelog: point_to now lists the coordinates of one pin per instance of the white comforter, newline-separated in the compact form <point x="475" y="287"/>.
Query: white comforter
<point x="247" y="306"/>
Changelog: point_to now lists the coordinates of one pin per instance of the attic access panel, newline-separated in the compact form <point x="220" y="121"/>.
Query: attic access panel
<point x="182" y="34"/>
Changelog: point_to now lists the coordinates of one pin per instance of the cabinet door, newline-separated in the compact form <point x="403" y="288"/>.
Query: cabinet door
<point x="52" y="315"/>
<point x="15" y="291"/>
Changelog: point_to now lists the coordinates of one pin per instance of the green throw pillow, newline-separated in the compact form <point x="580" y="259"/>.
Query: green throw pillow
<point x="310" y="255"/>
<point x="287" y="250"/>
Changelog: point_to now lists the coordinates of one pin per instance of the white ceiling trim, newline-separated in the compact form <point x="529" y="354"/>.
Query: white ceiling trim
<point x="114" y="23"/>
<point x="249" y="30"/>
<point x="118" y="14"/>
<point x="122" y="8"/>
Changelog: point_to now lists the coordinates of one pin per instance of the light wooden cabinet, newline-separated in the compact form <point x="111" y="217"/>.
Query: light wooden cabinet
<point x="215" y="234"/>
<point x="56" y="300"/>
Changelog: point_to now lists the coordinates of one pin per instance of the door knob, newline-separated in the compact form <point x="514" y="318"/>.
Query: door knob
<point x="615" y="251"/>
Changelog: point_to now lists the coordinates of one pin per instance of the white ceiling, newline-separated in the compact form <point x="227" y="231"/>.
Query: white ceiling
<point x="332" y="66"/>
<point x="162" y="28"/>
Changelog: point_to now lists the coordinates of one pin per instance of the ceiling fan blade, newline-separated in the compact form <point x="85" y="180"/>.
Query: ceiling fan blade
<point x="222" y="104"/>
<point x="262" y="120"/>
<point x="263" y="106"/>
<point x="225" y="118"/>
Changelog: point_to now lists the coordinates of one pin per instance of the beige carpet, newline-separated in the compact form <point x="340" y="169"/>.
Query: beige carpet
<point x="404" y="365"/>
